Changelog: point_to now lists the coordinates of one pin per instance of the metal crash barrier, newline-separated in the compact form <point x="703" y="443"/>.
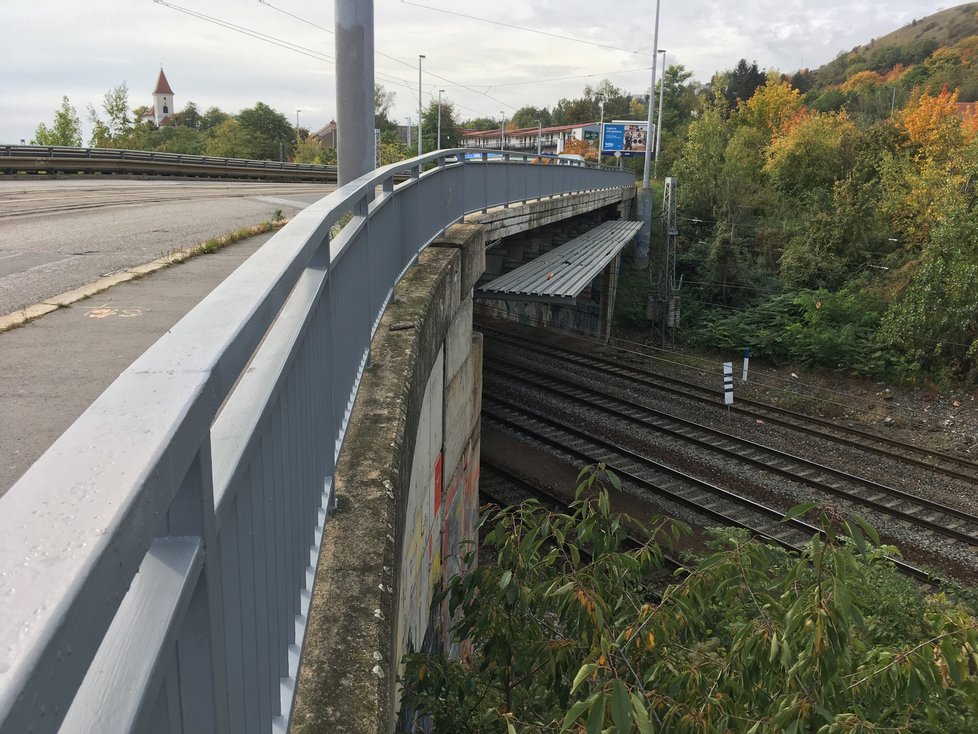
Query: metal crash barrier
<point x="156" y="563"/>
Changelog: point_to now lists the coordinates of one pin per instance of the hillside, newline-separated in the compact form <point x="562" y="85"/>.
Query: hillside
<point x="945" y="28"/>
<point x="929" y="53"/>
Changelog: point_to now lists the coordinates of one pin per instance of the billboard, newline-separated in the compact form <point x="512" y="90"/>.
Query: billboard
<point x="625" y="137"/>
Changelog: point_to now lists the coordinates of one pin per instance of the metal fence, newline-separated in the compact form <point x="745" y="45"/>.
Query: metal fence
<point x="156" y="563"/>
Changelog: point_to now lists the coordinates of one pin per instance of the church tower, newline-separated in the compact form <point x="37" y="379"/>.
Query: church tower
<point x="163" y="108"/>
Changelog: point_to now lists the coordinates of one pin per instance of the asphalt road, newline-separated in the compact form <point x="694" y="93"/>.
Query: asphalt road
<point x="57" y="235"/>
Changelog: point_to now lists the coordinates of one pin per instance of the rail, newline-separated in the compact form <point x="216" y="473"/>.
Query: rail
<point x="156" y="563"/>
<point x="30" y="159"/>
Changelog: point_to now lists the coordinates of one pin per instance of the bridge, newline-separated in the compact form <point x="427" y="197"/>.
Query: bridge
<point x="253" y="540"/>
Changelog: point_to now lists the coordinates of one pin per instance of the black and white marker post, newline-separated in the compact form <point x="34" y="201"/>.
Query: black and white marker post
<point x="743" y="377"/>
<point x="728" y="385"/>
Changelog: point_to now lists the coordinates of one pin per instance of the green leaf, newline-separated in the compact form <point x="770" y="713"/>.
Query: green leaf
<point x="562" y="590"/>
<point x="505" y="579"/>
<point x="510" y="729"/>
<point x="641" y="715"/>
<point x="595" y="717"/>
<point x="574" y="712"/>
<point x="583" y="673"/>
<point x="615" y="481"/>
<point x="621" y="707"/>
<point x="798" y="510"/>
<point x="868" y="529"/>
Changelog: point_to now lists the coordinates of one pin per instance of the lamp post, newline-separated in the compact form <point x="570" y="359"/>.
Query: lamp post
<point x="502" y="131"/>
<point x="658" y="125"/>
<point x="408" y="118"/>
<point x="420" y="111"/>
<point x="600" y="129"/>
<point x="539" y="137"/>
<point x="655" y="56"/>
<point x="297" y="130"/>
<point x="439" y="118"/>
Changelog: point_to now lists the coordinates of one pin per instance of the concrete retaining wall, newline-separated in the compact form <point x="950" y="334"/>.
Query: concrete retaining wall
<point x="407" y="483"/>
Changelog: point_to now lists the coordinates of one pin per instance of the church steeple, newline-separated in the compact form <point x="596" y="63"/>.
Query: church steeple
<point x="163" y="107"/>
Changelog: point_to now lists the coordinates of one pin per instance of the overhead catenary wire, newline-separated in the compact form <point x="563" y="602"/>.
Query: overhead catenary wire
<point x="528" y="30"/>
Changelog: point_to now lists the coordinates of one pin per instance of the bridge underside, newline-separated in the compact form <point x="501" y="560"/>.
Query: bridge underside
<point x="518" y="235"/>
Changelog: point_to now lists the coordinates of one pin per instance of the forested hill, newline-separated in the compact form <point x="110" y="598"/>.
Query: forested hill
<point x="933" y="52"/>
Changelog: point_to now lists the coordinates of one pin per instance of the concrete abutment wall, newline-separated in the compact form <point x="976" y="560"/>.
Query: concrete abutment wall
<point x="407" y="486"/>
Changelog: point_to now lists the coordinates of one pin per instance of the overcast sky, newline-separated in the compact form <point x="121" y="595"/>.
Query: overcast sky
<point x="82" y="48"/>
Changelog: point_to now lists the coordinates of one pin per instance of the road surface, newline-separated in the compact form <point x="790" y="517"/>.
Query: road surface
<point x="57" y="235"/>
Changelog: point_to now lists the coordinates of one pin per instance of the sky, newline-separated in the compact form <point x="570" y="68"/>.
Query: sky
<point x="82" y="49"/>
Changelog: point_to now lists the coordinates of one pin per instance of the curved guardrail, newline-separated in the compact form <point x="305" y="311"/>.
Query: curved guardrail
<point x="156" y="563"/>
<point x="31" y="159"/>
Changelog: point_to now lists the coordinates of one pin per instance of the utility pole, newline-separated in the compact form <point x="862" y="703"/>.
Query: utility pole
<point x="408" y="118"/>
<point x="420" y="111"/>
<point x="354" y="88"/>
<point x="439" y="118"/>
<point x="297" y="130"/>
<point x="502" y="131"/>
<point x="539" y="137"/>
<point x="658" y="125"/>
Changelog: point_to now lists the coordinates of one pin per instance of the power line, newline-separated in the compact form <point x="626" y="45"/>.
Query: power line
<point x="281" y="43"/>
<point x="408" y="64"/>
<point x="528" y="30"/>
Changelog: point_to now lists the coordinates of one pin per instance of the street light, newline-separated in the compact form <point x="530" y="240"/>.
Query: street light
<point x="658" y="125"/>
<point x="420" y="111"/>
<point x="539" y="137"/>
<point x="600" y="128"/>
<point x="297" y="130"/>
<point x="439" y="118"/>
<point x="655" y="56"/>
<point x="502" y="131"/>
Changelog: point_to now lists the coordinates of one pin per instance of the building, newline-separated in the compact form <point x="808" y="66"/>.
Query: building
<point x="551" y="139"/>
<point x="162" y="108"/>
<point x="326" y="135"/>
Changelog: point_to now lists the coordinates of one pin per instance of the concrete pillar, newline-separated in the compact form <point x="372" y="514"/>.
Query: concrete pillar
<point x="354" y="88"/>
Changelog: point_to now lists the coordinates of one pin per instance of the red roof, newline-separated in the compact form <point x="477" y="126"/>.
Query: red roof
<point x="162" y="85"/>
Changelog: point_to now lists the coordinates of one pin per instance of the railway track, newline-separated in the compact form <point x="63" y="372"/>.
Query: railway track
<point x="949" y="522"/>
<point x="647" y="478"/>
<point x="940" y="462"/>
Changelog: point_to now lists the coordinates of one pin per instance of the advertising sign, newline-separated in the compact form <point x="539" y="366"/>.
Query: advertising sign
<point x="625" y="137"/>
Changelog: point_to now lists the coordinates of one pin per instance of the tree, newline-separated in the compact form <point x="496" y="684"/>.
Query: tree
<point x="812" y="154"/>
<point x="529" y="116"/>
<point x="65" y="130"/>
<point x="212" y="118"/>
<point x="771" y="107"/>
<point x="451" y="133"/>
<point x="267" y="132"/>
<point x="568" y="632"/>
<point x="189" y="116"/>
<point x="117" y="125"/>
<point x="228" y="140"/>
<point x="383" y="101"/>
<point x="742" y="82"/>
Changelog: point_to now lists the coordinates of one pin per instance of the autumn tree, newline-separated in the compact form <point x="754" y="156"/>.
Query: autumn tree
<point x="812" y="154"/>
<point x="570" y="633"/>
<point x="65" y="130"/>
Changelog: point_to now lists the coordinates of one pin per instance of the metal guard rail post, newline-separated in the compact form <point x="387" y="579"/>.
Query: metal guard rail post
<point x="156" y="563"/>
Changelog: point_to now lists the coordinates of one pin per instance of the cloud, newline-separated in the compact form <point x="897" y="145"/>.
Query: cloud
<point x="89" y="48"/>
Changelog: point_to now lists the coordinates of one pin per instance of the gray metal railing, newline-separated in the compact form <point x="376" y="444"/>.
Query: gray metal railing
<point x="156" y="563"/>
<point x="33" y="158"/>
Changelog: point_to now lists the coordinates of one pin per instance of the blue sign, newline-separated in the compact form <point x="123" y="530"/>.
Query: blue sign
<point x="627" y="138"/>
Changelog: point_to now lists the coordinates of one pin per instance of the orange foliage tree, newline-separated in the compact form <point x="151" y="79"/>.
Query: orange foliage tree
<point x="573" y="146"/>
<point x="771" y="106"/>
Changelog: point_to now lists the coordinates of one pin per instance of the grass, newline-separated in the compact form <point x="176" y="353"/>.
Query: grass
<point x="228" y="238"/>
